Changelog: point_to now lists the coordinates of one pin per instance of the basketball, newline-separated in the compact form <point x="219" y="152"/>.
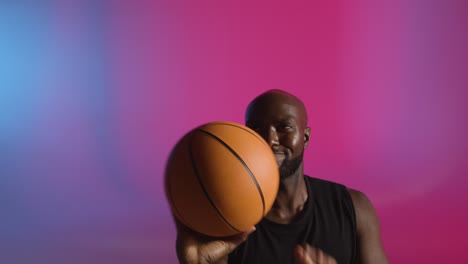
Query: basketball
<point x="221" y="178"/>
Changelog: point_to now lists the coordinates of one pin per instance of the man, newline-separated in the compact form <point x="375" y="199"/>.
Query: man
<point x="311" y="221"/>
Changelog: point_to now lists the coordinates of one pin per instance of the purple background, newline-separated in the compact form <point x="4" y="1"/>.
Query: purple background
<point x="93" y="95"/>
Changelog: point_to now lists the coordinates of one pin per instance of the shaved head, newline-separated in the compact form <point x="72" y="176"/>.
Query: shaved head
<point x="269" y="97"/>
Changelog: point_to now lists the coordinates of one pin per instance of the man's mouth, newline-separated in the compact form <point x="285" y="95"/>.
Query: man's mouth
<point x="279" y="156"/>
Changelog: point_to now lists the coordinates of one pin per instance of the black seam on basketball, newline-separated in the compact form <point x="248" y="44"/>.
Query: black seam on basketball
<point x="243" y="128"/>
<point x="195" y="170"/>
<point x="252" y="176"/>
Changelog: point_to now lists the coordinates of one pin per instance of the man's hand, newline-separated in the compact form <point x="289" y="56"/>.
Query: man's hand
<point x="193" y="247"/>
<point x="310" y="255"/>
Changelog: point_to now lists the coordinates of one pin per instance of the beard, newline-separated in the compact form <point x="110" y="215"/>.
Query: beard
<point x="289" y="167"/>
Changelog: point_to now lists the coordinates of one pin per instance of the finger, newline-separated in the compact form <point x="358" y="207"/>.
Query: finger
<point x="236" y="240"/>
<point x="314" y="253"/>
<point x="217" y="249"/>
<point x="319" y="256"/>
<point x="301" y="256"/>
<point x="248" y="232"/>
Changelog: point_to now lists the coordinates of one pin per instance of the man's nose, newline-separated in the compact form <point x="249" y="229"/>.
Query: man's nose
<point x="271" y="137"/>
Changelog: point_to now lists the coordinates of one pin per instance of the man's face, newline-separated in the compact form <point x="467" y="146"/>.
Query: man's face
<point x="281" y="122"/>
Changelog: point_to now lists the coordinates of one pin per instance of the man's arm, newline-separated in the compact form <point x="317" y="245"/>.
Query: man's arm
<point x="369" y="244"/>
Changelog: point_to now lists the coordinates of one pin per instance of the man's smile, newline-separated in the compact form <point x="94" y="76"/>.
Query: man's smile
<point x="279" y="156"/>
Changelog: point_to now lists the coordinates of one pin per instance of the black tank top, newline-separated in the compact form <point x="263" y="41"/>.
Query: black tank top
<point x="327" y="222"/>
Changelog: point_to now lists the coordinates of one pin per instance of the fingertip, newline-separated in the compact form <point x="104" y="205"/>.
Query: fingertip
<point x="298" y="254"/>
<point x="298" y="250"/>
<point x="248" y="231"/>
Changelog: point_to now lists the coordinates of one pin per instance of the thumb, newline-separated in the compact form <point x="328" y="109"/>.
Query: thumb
<point x="236" y="240"/>
<point x="217" y="249"/>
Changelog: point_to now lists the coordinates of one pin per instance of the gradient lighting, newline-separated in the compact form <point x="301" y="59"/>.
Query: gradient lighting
<point x="93" y="95"/>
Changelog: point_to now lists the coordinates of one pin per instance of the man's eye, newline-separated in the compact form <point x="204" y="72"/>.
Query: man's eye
<point x="285" y="126"/>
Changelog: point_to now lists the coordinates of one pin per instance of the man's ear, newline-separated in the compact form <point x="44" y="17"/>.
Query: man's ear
<point x="306" y="136"/>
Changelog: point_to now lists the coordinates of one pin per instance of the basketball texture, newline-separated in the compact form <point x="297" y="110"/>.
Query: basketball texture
<point x="221" y="179"/>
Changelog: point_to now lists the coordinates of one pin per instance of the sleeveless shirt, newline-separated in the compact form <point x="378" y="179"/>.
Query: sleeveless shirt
<point x="327" y="222"/>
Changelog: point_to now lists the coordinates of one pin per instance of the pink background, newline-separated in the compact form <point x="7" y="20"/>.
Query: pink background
<point x="93" y="95"/>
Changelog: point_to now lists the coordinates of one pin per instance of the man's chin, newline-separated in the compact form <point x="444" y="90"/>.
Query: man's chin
<point x="289" y="167"/>
<point x="286" y="172"/>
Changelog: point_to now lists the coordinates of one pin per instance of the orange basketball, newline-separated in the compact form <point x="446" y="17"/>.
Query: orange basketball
<point x="221" y="179"/>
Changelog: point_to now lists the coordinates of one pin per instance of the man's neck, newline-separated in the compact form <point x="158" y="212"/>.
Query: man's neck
<point x="292" y="195"/>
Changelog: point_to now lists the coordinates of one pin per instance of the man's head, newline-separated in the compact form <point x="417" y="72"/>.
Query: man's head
<point x="281" y="119"/>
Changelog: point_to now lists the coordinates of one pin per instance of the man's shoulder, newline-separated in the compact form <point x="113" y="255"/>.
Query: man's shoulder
<point x="328" y="191"/>
<point x="358" y="198"/>
<point x="356" y="195"/>
<point x="361" y="202"/>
